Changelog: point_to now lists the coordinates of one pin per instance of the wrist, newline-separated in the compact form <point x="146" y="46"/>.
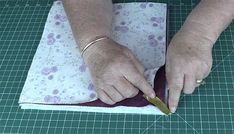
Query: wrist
<point x="94" y="49"/>
<point x="192" y="39"/>
<point x="97" y="39"/>
<point x="200" y="32"/>
<point x="209" y="19"/>
<point x="88" y="36"/>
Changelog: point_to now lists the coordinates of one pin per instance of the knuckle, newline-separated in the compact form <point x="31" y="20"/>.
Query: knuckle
<point x="105" y="99"/>
<point x="177" y="86"/>
<point x="115" y="97"/>
<point x="108" y="101"/>
<point x="131" y="93"/>
<point x="111" y="94"/>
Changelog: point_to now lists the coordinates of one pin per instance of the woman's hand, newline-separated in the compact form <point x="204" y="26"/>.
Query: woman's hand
<point x="115" y="72"/>
<point x="189" y="58"/>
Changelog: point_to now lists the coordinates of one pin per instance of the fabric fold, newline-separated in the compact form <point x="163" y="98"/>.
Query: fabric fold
<point x="58" y="79"/>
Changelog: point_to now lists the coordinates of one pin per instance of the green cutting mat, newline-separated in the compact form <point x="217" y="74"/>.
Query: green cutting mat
<point x="209" y="110"/>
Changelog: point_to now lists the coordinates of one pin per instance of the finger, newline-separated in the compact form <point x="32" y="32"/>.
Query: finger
<point x="135" y="61"/>
<point x="175" y="84"/>
<point x="189" y="84"/>
<point x="201" y="73"/>
<point x="138" y="80"/>
<point x="138" y="65"/>
<point x="113" y="93"/>
<point x="126" y="88"/>
<point x="104" y="97"/>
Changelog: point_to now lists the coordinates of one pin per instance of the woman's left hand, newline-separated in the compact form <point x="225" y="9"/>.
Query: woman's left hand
<point x="189" y="60"/>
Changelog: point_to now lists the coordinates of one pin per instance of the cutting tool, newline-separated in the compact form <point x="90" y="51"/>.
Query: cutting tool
<point x="159" y="104"/>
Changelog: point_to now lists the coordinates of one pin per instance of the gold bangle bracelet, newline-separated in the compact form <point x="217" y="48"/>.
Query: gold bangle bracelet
<point x="92" y="42"/>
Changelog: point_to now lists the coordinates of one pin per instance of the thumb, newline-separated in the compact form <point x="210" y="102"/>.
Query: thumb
<point x="138" y="80"/>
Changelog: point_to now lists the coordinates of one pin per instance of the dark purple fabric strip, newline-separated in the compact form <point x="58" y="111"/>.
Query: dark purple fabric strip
<point x="138" y="100"/>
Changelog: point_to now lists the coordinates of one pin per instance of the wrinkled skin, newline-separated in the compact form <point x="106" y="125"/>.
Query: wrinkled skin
<point x="189" y="58"/>
<point x="117" y="74"/>
<point x="115" y="71"/>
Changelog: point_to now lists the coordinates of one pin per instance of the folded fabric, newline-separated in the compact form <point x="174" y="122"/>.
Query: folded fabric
<point x="58" y="79"/>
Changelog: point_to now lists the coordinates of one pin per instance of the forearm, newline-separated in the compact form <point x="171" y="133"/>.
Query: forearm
<point x="209" y="19"/>
<point x="89" y="19"/>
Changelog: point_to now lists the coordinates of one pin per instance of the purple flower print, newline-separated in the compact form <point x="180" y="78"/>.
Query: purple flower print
<point x="55" y="91"/>
<point x="91" y="86"/>
<point x="55" y="99"/>
<point x="60" y="17"/>
<point x="47" y="98"/>
<point x="160" y="38"/>
<point x="82" y="68"/>
<point x="153" y="43"/>
<point x="72" y="97"/>
<point x="58" y="36"/>
<point x="126" y="13"/>
<point x="157" y="19"/>
<point x="123" y="29"/>
<point x="50" y="35"/>
<point x="50" y="41"/>
<point x="151" y="5"/>
<point x="54" y="69"/>
<point x="52" y="99"/>
<point x="116" y="13"/>
<point x="57" y="23"/>
<point x="117" y="28"/>
<point x="155" y="24"/>
<point x="63" y="18"/>
<point x="119" y="7"/>
<point x="123" y="23"/>
<point x="143" y="6"/>
<point x="50" y="77"/>
<point x="56" y="17"/>
<point x="160" y="20"/>
<point x="46" y="71"/>
<point x="92" y="95"/>
<point x="151" y="37"/>
<point x="153" y="18"/>
<point x="147" y="76"/>
<point x="58" y="2"/>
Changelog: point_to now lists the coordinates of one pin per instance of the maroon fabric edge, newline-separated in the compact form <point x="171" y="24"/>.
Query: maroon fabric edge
<point x="138" y="100"/>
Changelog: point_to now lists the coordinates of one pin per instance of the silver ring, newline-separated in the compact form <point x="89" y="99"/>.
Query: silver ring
<point x="199" y="81"/>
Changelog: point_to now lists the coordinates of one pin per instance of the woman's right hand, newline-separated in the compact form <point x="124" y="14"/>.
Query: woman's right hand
<point x="116" y="73"/>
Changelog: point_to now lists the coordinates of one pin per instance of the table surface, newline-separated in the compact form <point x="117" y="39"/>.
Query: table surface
<point x="209" y="110"/>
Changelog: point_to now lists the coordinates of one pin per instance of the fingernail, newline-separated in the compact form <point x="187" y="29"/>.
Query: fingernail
<point x="152" y="95"/>
<point x="173" y="109"/>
